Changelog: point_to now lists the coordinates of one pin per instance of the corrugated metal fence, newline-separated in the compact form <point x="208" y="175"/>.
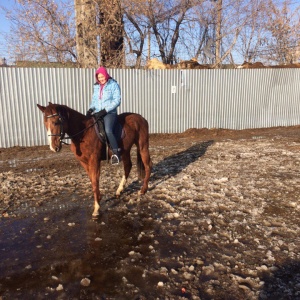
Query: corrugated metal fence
<point x="171" y="100"/>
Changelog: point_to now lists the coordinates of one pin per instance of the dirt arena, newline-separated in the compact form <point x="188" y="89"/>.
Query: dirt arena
<point x="220" y="221"/>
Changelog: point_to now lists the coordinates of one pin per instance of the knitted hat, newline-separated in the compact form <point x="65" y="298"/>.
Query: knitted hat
<point x="103" y="71"/>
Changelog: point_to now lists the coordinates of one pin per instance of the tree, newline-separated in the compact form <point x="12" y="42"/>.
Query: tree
<point x="137" y="28"/>
<point x="86" y="33"/>
<point x="221" y="22"/>
<point x="197" y="36"/>
<point x="99" y="22"/>
<point x="42" y="30"/>
<point x="166" y="19"/>
<point x="284" y="27"/>
<point x="160" y="22"/>
<point x="111" y="28"/>
<point x="231" y="17"/>
<point x="253" y="34"/>
<point x="218" y="32"/>
<point x="110" y="31"/>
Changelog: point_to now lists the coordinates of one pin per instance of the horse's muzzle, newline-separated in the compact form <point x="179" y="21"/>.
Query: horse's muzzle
<point x="57" y="149"/>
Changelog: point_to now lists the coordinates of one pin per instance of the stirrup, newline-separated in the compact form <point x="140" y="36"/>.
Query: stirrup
<point x="114" y="159"/>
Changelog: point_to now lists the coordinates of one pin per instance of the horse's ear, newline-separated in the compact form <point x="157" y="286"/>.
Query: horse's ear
<point x="42" y="108"/>
<point x="50" y="103"/>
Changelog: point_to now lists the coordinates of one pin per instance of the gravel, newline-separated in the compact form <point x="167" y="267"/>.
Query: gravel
<point x="220" y="221"/>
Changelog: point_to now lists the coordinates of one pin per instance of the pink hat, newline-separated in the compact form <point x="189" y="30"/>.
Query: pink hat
<point x="103" y="71"/>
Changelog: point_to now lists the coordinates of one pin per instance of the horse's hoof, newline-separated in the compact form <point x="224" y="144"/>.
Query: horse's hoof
<point x="95" y="215"/>
<point x="142" y="192"/>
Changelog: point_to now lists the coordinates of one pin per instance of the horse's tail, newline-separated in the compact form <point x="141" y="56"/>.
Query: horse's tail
<point x="141" y="167"/>
<point x="144" y="163"/>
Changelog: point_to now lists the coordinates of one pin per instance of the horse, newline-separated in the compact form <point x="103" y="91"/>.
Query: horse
<point x="87" y="147"/>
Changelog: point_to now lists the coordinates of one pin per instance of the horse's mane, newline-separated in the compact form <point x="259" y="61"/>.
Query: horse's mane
<point x="66" y="112"/>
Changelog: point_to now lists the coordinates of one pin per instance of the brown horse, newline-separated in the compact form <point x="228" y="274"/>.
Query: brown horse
<point x="87" y="147"/>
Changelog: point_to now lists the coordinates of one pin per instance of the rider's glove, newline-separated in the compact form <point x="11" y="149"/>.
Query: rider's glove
<point x="89" y="112"/>
<point x="101" y="114"/>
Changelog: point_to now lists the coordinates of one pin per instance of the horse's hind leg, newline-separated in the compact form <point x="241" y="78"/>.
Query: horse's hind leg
<point x="147" y="166"/>
<point x="127" y="168"/>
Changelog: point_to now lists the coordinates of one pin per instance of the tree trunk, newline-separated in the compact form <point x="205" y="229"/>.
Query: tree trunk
<point x="218" y="32"/>
<point x="86" y="34"/>
<point x="111" y="34"/>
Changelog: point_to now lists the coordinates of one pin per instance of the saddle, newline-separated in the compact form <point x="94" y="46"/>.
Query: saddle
<point x="100" y="131"/>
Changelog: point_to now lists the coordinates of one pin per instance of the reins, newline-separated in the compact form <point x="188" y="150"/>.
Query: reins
<point x="62" y="133"/>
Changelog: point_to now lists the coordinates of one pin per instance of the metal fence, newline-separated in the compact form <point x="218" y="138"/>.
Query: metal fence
<point x="171" y="100"/>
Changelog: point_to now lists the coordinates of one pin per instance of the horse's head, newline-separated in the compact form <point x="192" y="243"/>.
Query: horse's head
<point x="54" y="121"/>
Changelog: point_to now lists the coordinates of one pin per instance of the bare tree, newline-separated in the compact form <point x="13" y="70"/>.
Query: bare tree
<point x="111" y="29"/>
<point x="159" y="22"/>
<point x="284" y="28"/>
<point x="216" y="28"/>
<point x="231" y="17"/>
<point x="271" y="33"/>
<point x="99" y="33"/>
<point x="41" y="30"/>
<point x="197" y="36"/>
<point x="137" y="28"/>
<point x="218" y="32"/>
<point x="166" y="19"/>
<point x="108" y="31"/>
<point x="253" y="35"/>
<point x="86" y="33"/>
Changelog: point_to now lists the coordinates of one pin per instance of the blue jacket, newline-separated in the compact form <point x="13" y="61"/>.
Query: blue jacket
<point x="111" y="97"/>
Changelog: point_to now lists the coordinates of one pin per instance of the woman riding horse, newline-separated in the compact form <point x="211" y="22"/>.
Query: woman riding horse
<point x="106" y="98"/>
<point x="60" y="120"/>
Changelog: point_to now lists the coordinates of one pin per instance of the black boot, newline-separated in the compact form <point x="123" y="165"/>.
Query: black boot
<point x="116" y="157"/>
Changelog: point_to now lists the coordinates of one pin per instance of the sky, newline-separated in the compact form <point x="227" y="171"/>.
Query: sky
<point x="4" y="27"/>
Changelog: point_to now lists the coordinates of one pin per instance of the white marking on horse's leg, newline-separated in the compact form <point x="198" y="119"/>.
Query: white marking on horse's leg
<point x="96" y="209"/>
<point x="49" y="139"/>
<point x="121" y="186"/>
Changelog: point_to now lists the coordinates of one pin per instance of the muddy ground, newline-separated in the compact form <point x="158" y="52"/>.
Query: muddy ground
<point x="220" y="221"/>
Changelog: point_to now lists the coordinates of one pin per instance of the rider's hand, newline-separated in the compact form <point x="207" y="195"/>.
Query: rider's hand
<point x="89" y="112"/>
<point x="101" y="114"/>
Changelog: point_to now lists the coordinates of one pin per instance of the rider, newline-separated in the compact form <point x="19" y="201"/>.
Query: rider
<point x="106" y="98"/>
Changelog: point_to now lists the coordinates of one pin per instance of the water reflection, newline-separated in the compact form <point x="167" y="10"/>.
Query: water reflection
<point x="14" y="163"/>
<point x="40" y="250"/>
<point x="26" y="207"/>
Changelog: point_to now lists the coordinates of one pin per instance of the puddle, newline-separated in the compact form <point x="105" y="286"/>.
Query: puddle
<point x="31" y="161"/>
<point x="33" y="170"/>
<point x="14" y="163"/>
<point x="45" y="253"/>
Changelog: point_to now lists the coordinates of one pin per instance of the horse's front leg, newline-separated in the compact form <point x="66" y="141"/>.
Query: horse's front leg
<point x="94" y="175"/>
<point x="127" y="164"/>
<point x="93" y="171"/>
<point x="97" y="198"/>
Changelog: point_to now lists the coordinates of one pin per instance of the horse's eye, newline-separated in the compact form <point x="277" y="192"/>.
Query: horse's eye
<point x="57" y="123"/>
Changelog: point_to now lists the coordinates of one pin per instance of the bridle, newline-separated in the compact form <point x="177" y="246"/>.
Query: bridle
<point x="61" y="125"/>
<point x="62" y="133"/>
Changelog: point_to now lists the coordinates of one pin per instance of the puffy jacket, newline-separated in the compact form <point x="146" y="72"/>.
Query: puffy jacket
<point x="111" y="97"/>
